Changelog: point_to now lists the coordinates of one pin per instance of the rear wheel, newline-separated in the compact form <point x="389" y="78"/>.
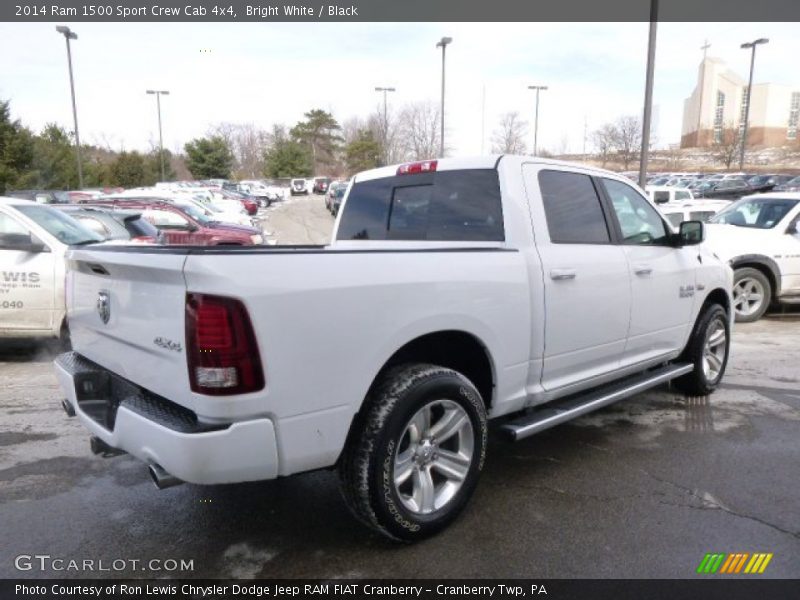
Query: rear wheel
<point x="414" y="457"/>
<point x="708" y="351"/>
<point x="752" y="294"/>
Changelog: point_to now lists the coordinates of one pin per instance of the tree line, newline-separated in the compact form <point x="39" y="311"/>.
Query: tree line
<point x="316" y="145"/>
<point x="47" y="160"/>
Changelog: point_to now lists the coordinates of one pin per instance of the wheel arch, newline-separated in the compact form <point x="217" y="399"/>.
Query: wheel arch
<point x="717" y="296"/>
<point x="455" y="349"/>
<point x="761" y="263"/>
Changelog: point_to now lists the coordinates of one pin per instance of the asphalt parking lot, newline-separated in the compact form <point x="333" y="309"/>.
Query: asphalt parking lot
<point x="642" y="489"/>
<point x="297" y="220"/>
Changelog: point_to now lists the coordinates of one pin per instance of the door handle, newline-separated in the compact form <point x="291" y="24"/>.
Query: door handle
<point x="643" y="270"/>
<point x="562" y="274"/>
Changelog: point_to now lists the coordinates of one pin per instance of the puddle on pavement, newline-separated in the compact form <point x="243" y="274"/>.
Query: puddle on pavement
<point x="659" y="412"/>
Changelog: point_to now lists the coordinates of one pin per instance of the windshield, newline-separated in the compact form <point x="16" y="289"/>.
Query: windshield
<point x="759" y="213"/>
<point x="197" y="213"/>
<point x="64" y="228"/>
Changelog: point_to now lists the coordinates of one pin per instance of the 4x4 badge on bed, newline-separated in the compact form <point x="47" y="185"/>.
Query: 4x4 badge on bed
<point x="167" y="344"/>
<point x="104" y="305"/>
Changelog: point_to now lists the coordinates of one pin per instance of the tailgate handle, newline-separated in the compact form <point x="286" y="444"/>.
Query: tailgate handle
<point x="98" y="269"/>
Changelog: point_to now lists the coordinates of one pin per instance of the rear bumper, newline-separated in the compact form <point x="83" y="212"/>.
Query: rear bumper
<point x="161" y="432"/>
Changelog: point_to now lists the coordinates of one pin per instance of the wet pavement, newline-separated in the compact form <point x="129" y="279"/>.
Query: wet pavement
<point x="644" y="488"/>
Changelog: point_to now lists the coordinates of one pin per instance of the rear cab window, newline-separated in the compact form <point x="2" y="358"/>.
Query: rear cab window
<point x="458" y="205"/>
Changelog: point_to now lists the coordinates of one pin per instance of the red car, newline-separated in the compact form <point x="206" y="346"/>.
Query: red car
<point x="186" y="225"/>
<point x="251" y="206"/>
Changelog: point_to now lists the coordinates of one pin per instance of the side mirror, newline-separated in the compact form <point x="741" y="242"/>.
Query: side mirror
<point x="691" y="233"/>
<point x="22" y="243"/>
<point x="794" y="228"/>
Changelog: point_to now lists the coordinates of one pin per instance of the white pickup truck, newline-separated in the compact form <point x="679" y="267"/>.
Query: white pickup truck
<point x="453" y="292"/>
<point x="759" y="237"/>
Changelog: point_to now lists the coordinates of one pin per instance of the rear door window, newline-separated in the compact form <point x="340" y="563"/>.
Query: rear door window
<point x="572" y="208"/>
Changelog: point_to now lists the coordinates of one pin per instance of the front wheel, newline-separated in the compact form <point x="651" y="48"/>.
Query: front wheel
<point x="414" y="458"/>
<point x="752" y="294"/>
<point x="707" y="350"/>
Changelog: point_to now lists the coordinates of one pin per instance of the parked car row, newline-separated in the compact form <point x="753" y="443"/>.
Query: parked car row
<point x="729" y="186"/>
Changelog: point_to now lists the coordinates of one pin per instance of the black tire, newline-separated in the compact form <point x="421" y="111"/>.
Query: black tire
<point x="367" y="465"/>
<point x="753" y="313"/>
<point x="702" y="381"/>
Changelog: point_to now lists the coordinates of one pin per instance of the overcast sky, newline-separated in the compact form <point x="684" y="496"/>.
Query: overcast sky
<point x="268" y="73"/>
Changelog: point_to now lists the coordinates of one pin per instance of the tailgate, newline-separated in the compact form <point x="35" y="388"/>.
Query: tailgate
<point x="126" y="313"/>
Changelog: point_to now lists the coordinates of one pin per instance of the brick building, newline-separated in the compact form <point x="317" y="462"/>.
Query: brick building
<point x="718" y="103"/>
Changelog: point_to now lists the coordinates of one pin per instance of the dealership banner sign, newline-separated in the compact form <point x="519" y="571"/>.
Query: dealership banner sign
<point x="397" y="10"/>
<point x="401" y="589"/>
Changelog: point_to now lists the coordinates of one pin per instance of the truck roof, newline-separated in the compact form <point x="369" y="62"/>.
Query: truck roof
<point x="489" y="161"/>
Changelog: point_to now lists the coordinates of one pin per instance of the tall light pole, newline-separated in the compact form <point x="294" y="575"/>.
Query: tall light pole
<point x="538" y="89"/>
<point x="385" y="90"/>
<point x="71" y="35"/>
<point x="442" y="43"/>
<point x="752" y="45"/>
<point x="158" y="94"/>
<point x="648" y="93"/>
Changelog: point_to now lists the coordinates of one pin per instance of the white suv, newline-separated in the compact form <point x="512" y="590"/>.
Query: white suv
<point x="758" y="236"/>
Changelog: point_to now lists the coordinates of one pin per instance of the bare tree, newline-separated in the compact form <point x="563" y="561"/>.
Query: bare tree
<point x="385" y="129"/>
<point x="509" y="137"/>
<point x="419" y="130"/>
<point x="351" y="128"/>
<point x="627" y="139"/>
<point x="603" y="140"/>
<point x="725" y="148"/>
<point x="247" y="142"/>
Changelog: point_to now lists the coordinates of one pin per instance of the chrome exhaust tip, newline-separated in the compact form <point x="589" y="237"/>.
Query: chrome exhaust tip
<point x="65" y="404"/>
<point x="161" y="478"/>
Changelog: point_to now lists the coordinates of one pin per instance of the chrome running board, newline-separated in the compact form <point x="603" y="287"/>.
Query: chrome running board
<point x="559" y="411"/>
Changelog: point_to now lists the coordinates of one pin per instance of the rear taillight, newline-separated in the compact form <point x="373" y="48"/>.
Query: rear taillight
<point x="221" y="347"/>
<point x="425" y="166"/>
